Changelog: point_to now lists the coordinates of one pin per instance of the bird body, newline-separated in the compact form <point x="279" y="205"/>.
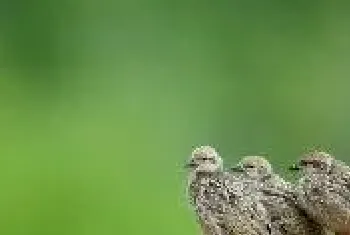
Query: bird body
<point x="324" y="190"/>
<point x="224" y="204"/>
<point x="219" y="202"/>
<point x="279" y="199"/>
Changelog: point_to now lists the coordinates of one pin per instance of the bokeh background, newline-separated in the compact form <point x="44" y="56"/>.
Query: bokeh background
<point x="102" y="102"/>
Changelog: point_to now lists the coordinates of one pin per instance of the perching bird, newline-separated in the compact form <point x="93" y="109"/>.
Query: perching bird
<point x="324" y="190"/>
<point x="224" y="205"/>
<point x="279" y="198"/>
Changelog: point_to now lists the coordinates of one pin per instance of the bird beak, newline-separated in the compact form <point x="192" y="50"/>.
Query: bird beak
<point x="294" y="167"/>
<point x="238" y="168"/>
<point x="190" y="165"/>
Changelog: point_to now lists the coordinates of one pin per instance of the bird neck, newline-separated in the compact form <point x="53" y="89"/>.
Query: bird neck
<point x="266" y="177"/>
<point x="196" y="177"/>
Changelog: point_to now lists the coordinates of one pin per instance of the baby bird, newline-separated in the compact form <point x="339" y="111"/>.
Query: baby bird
<point x="278" y="197"/>
<point x="223" y="204"/>
<point x="324" y="190"/>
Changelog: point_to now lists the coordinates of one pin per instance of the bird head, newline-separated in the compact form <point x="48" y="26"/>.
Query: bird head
<point x="255" y="167"/>
<point x="314" y="162"/>
<point x="205" y="159"/>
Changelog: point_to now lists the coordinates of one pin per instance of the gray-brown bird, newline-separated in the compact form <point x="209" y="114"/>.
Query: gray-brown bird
<point x="279" y="198"/>
<point x="324" y="190"/>
<point x="224" y="204"/>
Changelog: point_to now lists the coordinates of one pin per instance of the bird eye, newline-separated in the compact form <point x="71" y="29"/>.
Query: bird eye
<point x="249" y="166"/>
<point x="316" y="164"/>
<point x="204" y="158"/>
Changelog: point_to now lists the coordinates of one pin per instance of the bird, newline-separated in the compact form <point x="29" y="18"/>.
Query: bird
<point x="224" y="204"/>
<point x="324" y="190"/>
<point x="278" y="197"/>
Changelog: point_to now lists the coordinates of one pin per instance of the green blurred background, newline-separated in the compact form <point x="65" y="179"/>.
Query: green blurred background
<point x="102" y="102"/>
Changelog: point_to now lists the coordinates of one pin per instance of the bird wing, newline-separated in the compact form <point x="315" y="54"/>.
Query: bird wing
<point x="207" y="220"/>
<point x="340" y="180"/>
<point x="326" y="199"/>
<point x="280" y="191"/>
<point x="243" y="223"/>
<point x="244" y="214"/>
<point x="207" y="229"/>
<point x="204" y="228"/>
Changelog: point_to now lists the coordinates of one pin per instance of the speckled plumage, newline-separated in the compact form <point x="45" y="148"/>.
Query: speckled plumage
<point x="224" y="204"/>
<point x="279" y="199"/>
<point x="324" y="190"/>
